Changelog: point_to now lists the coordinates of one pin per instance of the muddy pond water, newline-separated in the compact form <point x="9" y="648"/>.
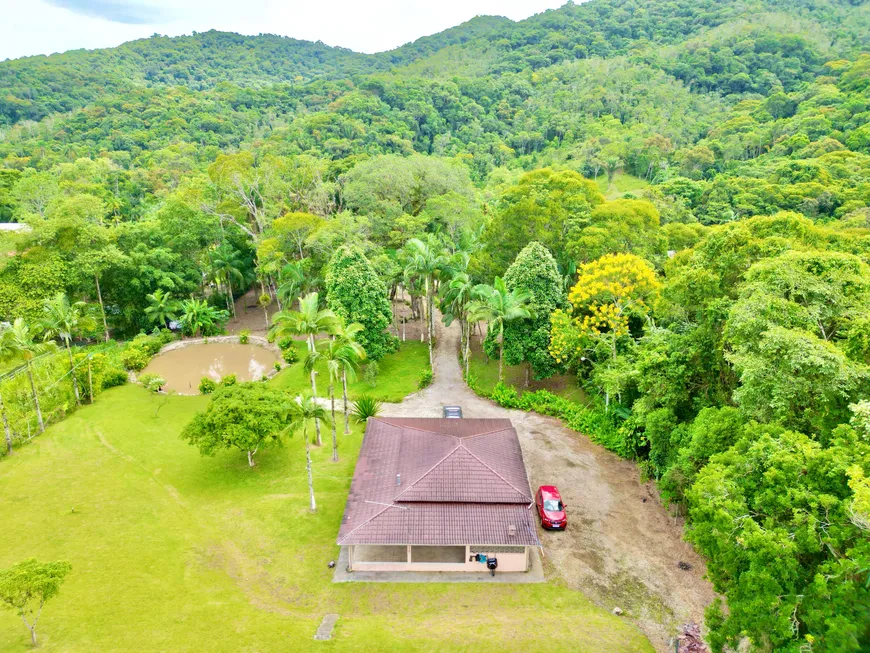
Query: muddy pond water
<point x="183" y="368"/>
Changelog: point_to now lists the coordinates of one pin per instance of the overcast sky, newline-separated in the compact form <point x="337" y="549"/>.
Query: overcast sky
<point x="45" y="26"/>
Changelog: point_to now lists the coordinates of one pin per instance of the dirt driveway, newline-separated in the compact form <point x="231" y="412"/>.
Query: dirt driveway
<point x="621" y="548"/>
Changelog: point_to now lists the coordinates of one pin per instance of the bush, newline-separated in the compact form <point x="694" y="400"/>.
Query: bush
<point x="135" y="358"/>
<point x="425" y="380"/>
<point x="149" y="344"/>
<point x="244" y="336"/>
<point x="228" y="380"/>
<point x="290" y="355"/>
<point x="366" y="407"/>
<point x="277" y="367"/>
<point x="152" y="382"/>
<point x="285" y="343"/>
<point x="207" y="386"/>
<point x="113" y="377"/>
<point x="371" y="375"/>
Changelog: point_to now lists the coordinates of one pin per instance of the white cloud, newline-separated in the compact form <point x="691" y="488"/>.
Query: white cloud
<point x="47" y="26"/>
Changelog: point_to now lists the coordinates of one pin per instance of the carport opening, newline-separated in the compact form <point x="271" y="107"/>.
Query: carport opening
<point x="380" y="553"/>
<point x="452" y="554"/>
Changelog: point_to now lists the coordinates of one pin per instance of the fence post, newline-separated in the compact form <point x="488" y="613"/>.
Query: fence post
<point x="90" y="381"/>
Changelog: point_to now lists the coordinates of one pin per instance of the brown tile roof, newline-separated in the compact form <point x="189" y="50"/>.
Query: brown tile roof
<point x="439" y="481"/>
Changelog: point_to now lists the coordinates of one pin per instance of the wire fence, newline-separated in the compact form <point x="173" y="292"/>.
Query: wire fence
<point x="48" y="380"/>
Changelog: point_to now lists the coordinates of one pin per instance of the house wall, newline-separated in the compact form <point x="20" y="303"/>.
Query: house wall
<point x="427" y="558"/>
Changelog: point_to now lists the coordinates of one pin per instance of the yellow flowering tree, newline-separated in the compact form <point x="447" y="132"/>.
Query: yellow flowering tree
<point x="608" y="292"/>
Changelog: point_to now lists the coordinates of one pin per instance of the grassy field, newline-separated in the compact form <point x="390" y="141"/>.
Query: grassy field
<point x="398" y="377"/>
<point x="622" y="183"/>
<point x="175" y="552"/>
<point x="485" y="373"/>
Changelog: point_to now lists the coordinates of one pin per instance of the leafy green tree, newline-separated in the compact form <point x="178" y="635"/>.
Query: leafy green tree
<point x="162" y="308"/>
<point x="244" y="416"/>
<point x="304" y="410"/>
<point x="225" y="265"/>
<point x="499" y="306"/>
<point x="355" y="293"/>
<point x="309" y="321"/>
<point x="457" y="293"/>
<point x="65" y="321"/>
<point x="28" y="585"/>
<point x="526" y="341"/>
<point x="540" y="207"/>
<point x="624" y="225"/>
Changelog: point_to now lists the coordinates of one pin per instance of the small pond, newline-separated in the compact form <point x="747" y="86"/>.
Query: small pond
<point x="185" y="366"/>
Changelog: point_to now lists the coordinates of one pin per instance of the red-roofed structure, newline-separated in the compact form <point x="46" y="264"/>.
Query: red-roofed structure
<point x="432" y="494"/>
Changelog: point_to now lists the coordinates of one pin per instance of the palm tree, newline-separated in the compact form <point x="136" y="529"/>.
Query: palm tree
<point x="162" y="308"/>
<point x="21" y="342"/>
<point x="347" y="334"/>
<point x="339" y="356"/>
<point x="6" y="352"/>
<point x="498" y="305"/>
<point x="457" y="295"/>
<point x="308" y="321"/>
<point x="64" y="320"/>
<point x="291" y="282"/>
<point x="425" y="259"/>
<point x="197" y="316"/>
<point x="302" y="411"/>
<point x="226" y="264"/>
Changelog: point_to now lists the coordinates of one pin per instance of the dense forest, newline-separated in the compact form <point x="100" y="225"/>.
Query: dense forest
<point x="677" y="192"/>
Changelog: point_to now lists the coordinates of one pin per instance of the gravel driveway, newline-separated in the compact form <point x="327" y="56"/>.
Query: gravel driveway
<point x="621" y="548"/>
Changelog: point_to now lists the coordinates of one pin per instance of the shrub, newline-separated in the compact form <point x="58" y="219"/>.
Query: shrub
<point x="425" y="380"/>
<point x="228" y="380"/>
<point x="371" y="375"/>
<point x="150" y="344"/>
<point x="366" y="407"/>
<point x="113" y="377"/>
<point x="244" y="336"/>
<point x="285" y="343"/>
<point x="290" y="355"/>
<point x="277" y="367"/>
<point x="152" y="382"/>
<point x="505" y="395"/>
<point x="207" y="386"/>
<point x="135" y="358"/>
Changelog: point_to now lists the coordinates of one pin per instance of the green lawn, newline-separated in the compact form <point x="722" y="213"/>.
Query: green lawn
<point x="399" y="374"/>
<point x="485" y="373"/>
<point x="175" y="552"/>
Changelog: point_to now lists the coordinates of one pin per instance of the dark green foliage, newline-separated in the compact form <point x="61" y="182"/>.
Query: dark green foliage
<point x="425" y="380"/>
<point x="526" y="341"/>
<point x="290" y="354"/>
<point x="245" y="416"/>
<point x="356" y="294"/>
<point x="365" y="407"/>
<point x="207" y="386"/>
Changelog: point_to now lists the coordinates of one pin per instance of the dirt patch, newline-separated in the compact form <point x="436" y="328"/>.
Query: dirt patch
<point x="619" y="550"/>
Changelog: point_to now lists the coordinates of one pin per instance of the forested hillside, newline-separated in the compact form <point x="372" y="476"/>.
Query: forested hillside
<point x="695" y="172"/>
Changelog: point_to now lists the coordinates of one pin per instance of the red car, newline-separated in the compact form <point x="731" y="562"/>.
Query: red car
<point x="550" y="508"/>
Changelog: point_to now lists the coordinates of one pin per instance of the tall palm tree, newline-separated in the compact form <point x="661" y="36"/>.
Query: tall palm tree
<point x="162" y="308"/>
<point x="22" y="343"/>
<point x="425" y="259"/>
<point x="64" y="321"/>
<point x="303" y="411"/>
<point x="339" y="357"/>
<point x="457" y="294"/>
<point x="498" y="306"/>
<point x="347" y="334"/>
<point x="309" y="321"/>
<point x="226" y="265"/>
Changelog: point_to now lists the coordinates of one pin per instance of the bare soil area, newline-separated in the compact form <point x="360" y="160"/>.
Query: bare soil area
<point x="622" y="548"/>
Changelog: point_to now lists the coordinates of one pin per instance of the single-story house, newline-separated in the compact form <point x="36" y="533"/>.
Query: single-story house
<point x="439" y="495"/>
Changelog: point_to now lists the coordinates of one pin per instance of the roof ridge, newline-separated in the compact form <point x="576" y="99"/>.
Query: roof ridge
<point x="431" y="469"/>
<point x="416" y="428"/>
<point x="494" y="472"/>
<point x="377" y="514"/>
<point x="475" y="435"/>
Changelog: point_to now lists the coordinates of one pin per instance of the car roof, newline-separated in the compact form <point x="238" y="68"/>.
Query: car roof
<point x="550" y="491"/>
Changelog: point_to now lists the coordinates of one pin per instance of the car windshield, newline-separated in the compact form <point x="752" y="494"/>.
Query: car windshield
<point x="552" y="504"/>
